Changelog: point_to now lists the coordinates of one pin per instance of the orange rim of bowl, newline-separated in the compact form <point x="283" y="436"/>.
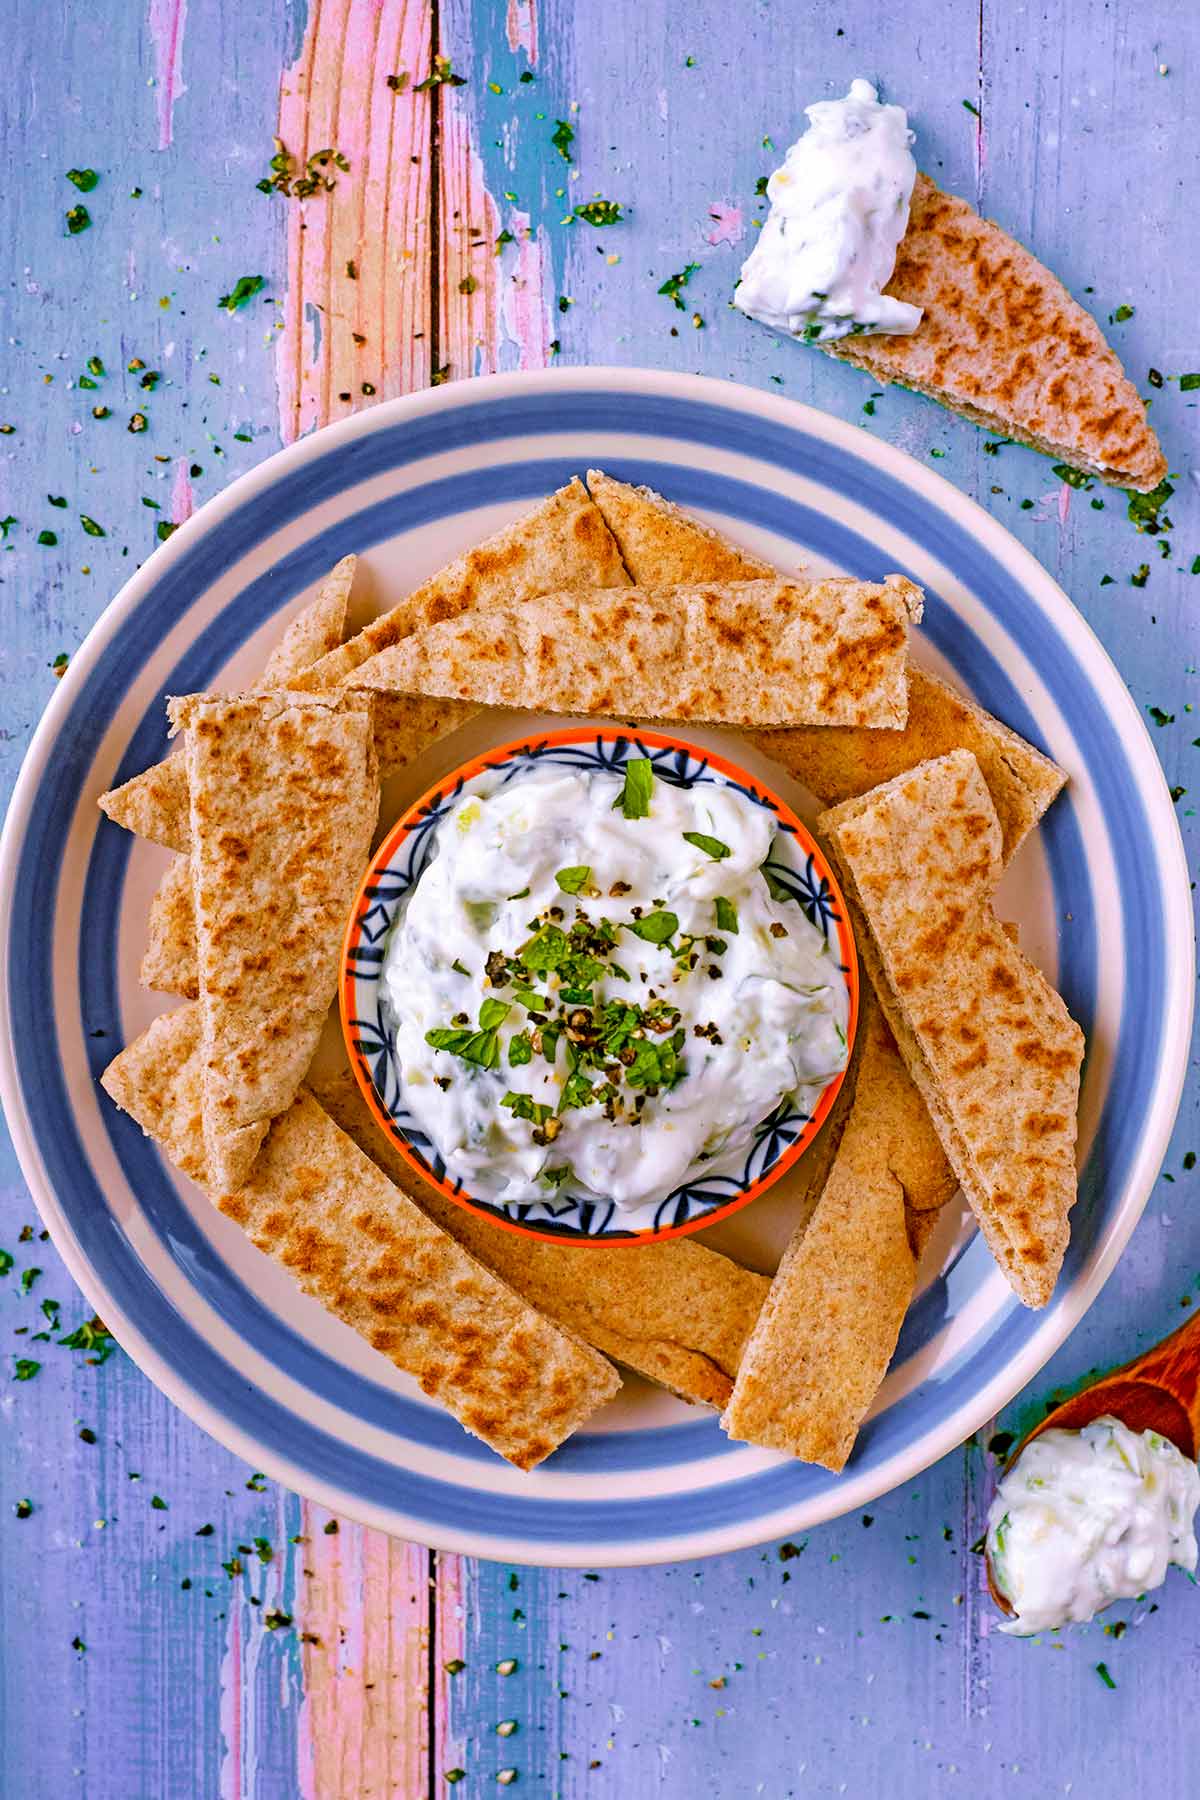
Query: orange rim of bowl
<point x="408" y="821"/>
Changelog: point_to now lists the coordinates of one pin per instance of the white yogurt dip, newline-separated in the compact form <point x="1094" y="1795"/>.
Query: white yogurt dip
<point x="592" y="987"/>
<point x="839" y="207"/>
<point x="1086" y="1517"/>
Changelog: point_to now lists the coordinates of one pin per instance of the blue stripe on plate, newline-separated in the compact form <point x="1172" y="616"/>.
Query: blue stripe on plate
<point x="101" y="1240"/>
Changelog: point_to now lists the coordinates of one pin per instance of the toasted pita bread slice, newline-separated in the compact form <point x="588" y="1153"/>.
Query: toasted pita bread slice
<point x="985" y="1037"/>
<point x="1002" y="342"/>
<point x="284" y="795"/>
<point x="841" y="763"/>
<point x="563" y="543"/>
<point x="830" y="1323"/>
<point x="660" y="542"/>
<point x="155" y="804"/>
<point x="169" y="965"/>
<point x="674" y="1311"/>
<point x="663" y="546"/>
<point x="753" y="652"/>
<point x="333" y="1220"/>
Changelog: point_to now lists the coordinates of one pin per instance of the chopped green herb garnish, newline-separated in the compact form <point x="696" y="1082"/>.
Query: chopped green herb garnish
<point x="711" y="846"/>
<point x="243" y="290"/>
<point x="655" y="927"/>
<point x="672" y="288"/>
<point x="523" y="1106"/>
<point x="571" y="880"/>
<point x="441" y="75"/>
<point x="1140" y="576"/>
<point x="1121" y="314"/>
<point x="92" y="1336"/>
<point x="727" y="919"/>
<point x="84" y="179"/>
<point x="1106" y="1678"/>
<point x="460" y="968"/>
<point x="91" y="527"/>
<point x="1143" y="510"/>
<point x="25" y="1369"/>
<point x="520" y="1050"/>
<point x="553" y="1178"/>
<point x="397" y="83"/>
<point x="634" y="798"/>
<point x="1160" y="717"/>
<point x="493" y="1013"/>
<point x="48" y="538"/>
<point x="78" y="219"/>
<point x="972" y="108"/>
<point x="1189" y="383"/>
<point x="1073" y="477"/>
<point x="562" y="137"/>
<point x="599" y="212"/>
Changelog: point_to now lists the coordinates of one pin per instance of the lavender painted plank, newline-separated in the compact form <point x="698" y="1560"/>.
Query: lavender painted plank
<point x="179" y="1692"/>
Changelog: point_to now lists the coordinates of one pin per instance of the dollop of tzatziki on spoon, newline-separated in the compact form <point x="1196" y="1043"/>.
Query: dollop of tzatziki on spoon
<point x="593" y="983"/>
<point x="1086" y="1517"/>
<point x="839" y="207"/>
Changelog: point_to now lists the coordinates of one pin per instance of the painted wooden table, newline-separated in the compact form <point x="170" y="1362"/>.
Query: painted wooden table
<point x="170" y="1623"/>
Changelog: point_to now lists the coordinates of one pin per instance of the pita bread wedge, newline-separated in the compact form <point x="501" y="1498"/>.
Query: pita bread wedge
<point x="754" y="652"/>
<point x="839" y="764"/>
<point x="673" y="1311"/>
<point x="663" y="546"/>
<point x="987" y="1041"/>
<point x="563" y="543"/>
<point x="284" y="794"/>
<point x="154" y="804"/>
<point x="333" y="1220"/>
<point x="169" y="965"/>
<point x="830" y="1323"/>
<point x="661" y="543"/>
<point x="1003" y="343"/>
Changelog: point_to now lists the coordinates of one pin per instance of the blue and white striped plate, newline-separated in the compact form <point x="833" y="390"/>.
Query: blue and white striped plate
<point x="1102" y="890"/>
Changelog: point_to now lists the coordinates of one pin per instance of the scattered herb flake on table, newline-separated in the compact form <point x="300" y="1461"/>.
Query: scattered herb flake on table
<point x="84" y="179"/>
<point x="599" y="212"/>
<point x="672" y="288"/>
<point x="78" y="219"/>
<point x="244" y="290"/>
<point x="562" y="137"/>
<point x="441" y="75"/>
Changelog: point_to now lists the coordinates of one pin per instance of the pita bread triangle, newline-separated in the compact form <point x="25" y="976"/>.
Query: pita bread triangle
<point x="154" y="804"/>
<point x="988" y="1042"/>
<point x="835" y="762"/>
<point x="331" y="1218"/>
<point x="1003" y="343"/>
<point x="284" y="793"/>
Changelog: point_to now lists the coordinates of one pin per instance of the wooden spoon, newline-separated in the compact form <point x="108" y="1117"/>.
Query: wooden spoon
<point x="1158" y="1391"/>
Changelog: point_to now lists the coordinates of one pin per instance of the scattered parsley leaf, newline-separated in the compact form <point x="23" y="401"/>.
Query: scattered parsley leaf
<point x="84" y="179"/>
<point x="91" y="527"/>
<point x="672" y="288"/>
<point x="441" y="75"/>
<point x="599" y="212"/>
<point x="243" y="290"/>
<point x="711" y="846"/>
<point x="1121" y="314"/>
<point x="572" y="879"/>
<point x="1106" y="1678"/>
<point x="1160" y="717"/>
<point x="634" y="798"/>
<point x="164" y="529"/>
<point x="397" y="83"/>
<point x="1140" y="576"/>
<point x="467" y="285"/>
<point x="1074" y="478"/>
<point x="47" y="537"/>
<point x="727" y="919"/>
<point x="562" y="138"/>
<point x="520" y="1050"/>
<point x="11" y="520"/>
<point x="158" y="1503"/>
<point x="25" y="1369"/>
<point x="78" y="219"/>
<point x="971" y="108"/>
<point x="655" y="927"/>
<point x="1143" y="509"/>
<point x="1189" y="383"/>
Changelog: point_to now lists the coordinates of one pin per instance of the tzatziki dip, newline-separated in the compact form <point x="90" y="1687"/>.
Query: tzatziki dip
<point x="1086" y="1517"/>
<point x="592" y="988"/>
<point x="839" y="207"/>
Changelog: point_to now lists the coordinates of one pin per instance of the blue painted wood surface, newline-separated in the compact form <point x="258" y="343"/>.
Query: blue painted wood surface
<point x="857" y="1660"/>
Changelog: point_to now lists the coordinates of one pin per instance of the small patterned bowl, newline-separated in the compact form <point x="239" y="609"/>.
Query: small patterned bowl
<point x="799" y="869"/>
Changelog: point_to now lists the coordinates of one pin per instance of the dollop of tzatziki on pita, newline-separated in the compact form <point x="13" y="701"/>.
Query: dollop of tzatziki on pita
<point x="839" y="207"/>
<point x="593" y="989"/>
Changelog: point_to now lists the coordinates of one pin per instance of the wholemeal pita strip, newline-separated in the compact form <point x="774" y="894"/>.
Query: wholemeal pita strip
<point x="831" y="1320"/>
<point x="333" y="1220"/>
<point x="563" y="543"/>
<point x="1004" y="344"/>
<point x="834" y="762"/>
<point x="169" y="965"/>
<point x="986" y="1039"/>
<point x="154" y="804"/>
<point x="841" y="763"/>
<point x="759" y="652"/>
<point x="284" y="795"/>
<point x="674" y="1311"/>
